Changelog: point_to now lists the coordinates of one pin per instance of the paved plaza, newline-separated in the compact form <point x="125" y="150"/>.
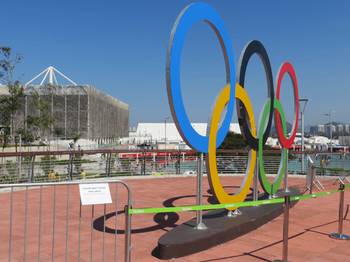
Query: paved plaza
<point x="311" y="222"/>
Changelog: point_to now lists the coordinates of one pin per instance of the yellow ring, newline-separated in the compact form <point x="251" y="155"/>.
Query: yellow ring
<point x="214" y="180"/>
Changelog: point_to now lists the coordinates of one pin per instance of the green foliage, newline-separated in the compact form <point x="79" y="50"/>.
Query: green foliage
<point x="26" y="135"/>
<point x="8" y="64"/>
<point x="125" y="163"/>
<point x="233" y="141"/>
<point x="58" y="132"/>
<point x="10" y="103"/>
<point x="11" y="167"/>
<point x="76" y="137"/>
<point x="45" y="118"/>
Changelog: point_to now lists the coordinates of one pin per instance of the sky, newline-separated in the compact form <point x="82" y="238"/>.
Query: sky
<point x="120" y="48"/>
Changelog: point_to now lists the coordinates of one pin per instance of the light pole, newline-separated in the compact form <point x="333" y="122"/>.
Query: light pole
<point x="302" y="129"/>
<point x="165" y="140"/>
<point x="330" y="126"/>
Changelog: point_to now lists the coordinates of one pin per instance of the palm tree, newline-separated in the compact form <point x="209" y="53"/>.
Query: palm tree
<point x="76" y="138"/>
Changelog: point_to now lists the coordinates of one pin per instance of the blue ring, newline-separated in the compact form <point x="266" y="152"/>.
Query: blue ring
<point x="190" y="15"/>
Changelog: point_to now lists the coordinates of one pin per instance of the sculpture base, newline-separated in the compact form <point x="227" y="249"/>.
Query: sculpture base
<point x="186" y="240"/>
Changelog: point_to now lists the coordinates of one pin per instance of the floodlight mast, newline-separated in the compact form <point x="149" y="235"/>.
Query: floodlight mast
<point x="330" y="127"/>
<point x="302" y="129"/>
<point x="50" y="70"/>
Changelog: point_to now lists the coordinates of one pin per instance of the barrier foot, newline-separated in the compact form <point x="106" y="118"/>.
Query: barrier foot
<point x="200" y="226"/>
<point x="234" y="213"/>
<point x="287" y="190"/>
<point x="306" y="189"/>
<point x="339" y="236"/>
<point x="346" y="178"/>
<point x="317" y="186"/>
<point x="273" y="196"/>
<point x="318" y="181"/>
<point x="340" y="181"/>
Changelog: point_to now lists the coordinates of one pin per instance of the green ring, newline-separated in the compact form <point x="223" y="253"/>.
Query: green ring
<point x="268" y="187"/>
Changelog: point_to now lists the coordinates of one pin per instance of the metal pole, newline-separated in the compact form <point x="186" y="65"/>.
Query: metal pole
<point x="312" y="178"/>
<point x="92" y="232"/>
<point x="128" y="248"/>
<point x="11" y="209"/>
<point x="25" y="225"/>
<point x="165" y="147"/>
<point x="40" y="213"/>
<point x="116" y="222"/>
<point x="53" y="224"/>
<point x="302" y="141"/>
<point x="80" y="231"/>
<point x="108" y="164"/>
<point x="199" y="201"/>
<point x="32" y="169"/>
<point x="165" y="144"/>
<point x="20" y="157"/>
<point x="330" y="126"/>
<point x="144" y="162"/>
<point x="67" y="223"/>
<point x="286" y="189"/>
<point x="285" y="230"/>
<point x="340" y="234"/>
<point x="330" y="112"/>
<point x="302" y="131"/>
<point x="256" y="178"/>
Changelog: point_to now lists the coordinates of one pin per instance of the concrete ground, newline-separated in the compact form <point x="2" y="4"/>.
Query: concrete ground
<point x="311" y="222"/>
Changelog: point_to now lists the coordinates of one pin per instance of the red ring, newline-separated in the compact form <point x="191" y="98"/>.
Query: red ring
<point x="287" y="68"/>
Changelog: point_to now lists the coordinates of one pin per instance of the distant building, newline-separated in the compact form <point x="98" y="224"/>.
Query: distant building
<point x="80" y="109"/>
<point x="154" y="134"/>
<point x="340" y="128"/>
<point x="317" y="128"/>
<point x="328" y="129"/>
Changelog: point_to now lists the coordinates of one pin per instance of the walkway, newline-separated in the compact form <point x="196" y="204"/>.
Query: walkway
<point x="311" y="221"/>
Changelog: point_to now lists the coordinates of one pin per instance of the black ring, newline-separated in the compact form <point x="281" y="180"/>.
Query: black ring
<point x="251" y="48"/>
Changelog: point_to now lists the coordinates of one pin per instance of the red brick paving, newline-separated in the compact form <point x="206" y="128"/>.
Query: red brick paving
<point x="311" y="222"/>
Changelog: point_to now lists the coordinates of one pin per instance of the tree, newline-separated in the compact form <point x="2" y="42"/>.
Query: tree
<point x="236" y="141"/>
<point x="46" y="118"/>
<point x="233" y="141"/>
<point x="10" y="103"/>
<point x="76" y="137"/>
<point x="58" y="132"/>
<point x="26" y="135"/>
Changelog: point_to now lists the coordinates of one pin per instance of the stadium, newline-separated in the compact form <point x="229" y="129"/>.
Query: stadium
<point x="79" y="109"/>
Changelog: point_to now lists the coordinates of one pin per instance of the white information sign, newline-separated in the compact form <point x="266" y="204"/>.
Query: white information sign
<point x="92" y="194"/>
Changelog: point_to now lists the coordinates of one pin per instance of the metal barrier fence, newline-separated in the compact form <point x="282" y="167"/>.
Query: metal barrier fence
<point x="42" y="167"/>
<point x="286" y="200"/>
<point x="331" y="167"/>
<point x="48" y="222"/>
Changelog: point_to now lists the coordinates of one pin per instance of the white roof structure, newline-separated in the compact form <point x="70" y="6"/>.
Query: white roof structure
<point x="157" y="130"/>
<point x="51" y="72"/>
<point x="322" y="140"/>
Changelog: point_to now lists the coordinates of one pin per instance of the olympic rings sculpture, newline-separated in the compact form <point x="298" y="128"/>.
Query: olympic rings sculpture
<point x="224" y="104"/>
